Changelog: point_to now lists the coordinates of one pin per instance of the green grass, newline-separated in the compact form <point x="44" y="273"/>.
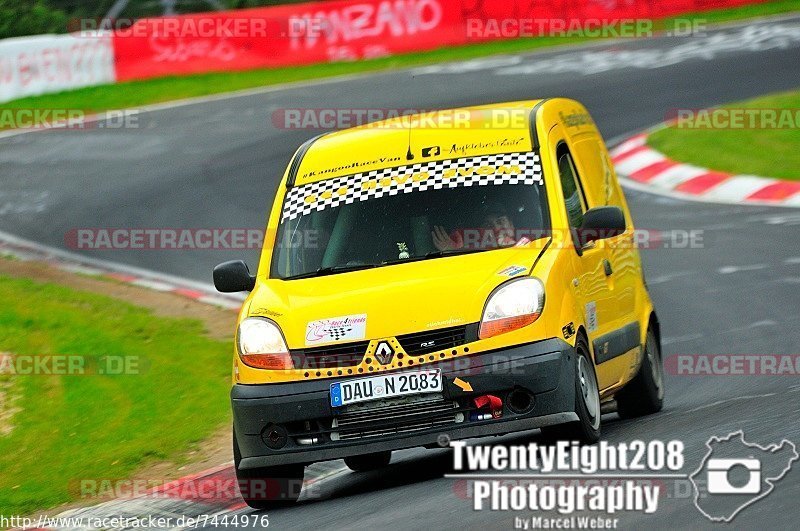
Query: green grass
<point x="771" y="152"/>
<point x="92" y="426"/>
<point x="138" y="93"/>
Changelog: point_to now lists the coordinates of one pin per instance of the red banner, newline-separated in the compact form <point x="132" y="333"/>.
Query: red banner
<point x="348" y="30"/>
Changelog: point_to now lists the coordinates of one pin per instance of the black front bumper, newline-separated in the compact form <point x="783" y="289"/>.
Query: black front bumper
<point x="544" y="371"/>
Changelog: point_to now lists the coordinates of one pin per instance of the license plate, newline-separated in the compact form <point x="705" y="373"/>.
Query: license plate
<point x="385" y="386"/>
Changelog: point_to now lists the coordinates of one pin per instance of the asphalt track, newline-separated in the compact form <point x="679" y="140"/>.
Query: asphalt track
<point x="216" y="164"/>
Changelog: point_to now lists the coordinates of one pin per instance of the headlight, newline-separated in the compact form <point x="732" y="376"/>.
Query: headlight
<point x="261" y="345"/>
<point x="515" y="304"/>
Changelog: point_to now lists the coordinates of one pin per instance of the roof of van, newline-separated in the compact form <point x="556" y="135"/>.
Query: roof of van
<point x="416" y="139"/>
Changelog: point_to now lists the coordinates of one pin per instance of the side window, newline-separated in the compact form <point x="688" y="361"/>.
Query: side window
<point x="592" y="169"/>
<point x="573" y="196"/>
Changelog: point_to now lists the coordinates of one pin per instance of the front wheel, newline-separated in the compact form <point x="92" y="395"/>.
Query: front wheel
<point x="268" y="487"/>
<point x="587" y="402"/>
<point x="645" y="393"/>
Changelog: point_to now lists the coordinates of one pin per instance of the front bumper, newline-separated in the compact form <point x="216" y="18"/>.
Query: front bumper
<point x="543" y="371"/>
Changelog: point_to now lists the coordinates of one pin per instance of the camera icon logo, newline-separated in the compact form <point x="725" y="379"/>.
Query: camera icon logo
<point x="719" y="476"/>
<point x="735" y="474"/>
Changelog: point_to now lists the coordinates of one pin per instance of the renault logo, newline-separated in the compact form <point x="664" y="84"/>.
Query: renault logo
<point x="384" y="353"/>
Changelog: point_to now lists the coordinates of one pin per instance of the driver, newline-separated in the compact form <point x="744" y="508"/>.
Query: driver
<point x="495" y="222"/>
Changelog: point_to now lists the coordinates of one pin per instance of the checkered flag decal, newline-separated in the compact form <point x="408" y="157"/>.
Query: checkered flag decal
<point x="338" y="332"/>
<point x="467" y="171"/>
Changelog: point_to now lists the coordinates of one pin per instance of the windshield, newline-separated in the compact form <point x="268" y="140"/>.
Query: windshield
<point x="422" y="211"/>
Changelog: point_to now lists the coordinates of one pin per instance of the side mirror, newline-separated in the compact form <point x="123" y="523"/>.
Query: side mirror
<point x="600" y="223"/>
<point x="232" y="277"/>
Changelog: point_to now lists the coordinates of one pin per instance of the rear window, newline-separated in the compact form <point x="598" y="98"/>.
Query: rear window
<point x="415" y="212"/>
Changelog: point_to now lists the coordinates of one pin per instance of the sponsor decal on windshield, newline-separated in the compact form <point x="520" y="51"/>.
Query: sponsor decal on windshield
<point x="502" y="143"/>
<point x="350" y="166"/>
<point x="503" y="168"/>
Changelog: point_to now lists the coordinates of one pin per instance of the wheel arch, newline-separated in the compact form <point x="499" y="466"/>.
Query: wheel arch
<point x="581" y="333"/>
<point x="654" y="323"/>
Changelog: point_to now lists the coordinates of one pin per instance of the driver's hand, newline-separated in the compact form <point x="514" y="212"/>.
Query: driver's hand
<point x="443" y="241"/>
<point x="505" y="238"/>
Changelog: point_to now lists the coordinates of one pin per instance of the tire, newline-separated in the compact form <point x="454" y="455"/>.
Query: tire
<point x="366" y="462"/>
<point x="587" y="402"/>
<point x="268" y="487"/>
<point x="644" y="394"/>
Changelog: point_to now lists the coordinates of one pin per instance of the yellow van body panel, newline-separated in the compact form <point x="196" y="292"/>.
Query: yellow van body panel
<point x="430" y="294"/>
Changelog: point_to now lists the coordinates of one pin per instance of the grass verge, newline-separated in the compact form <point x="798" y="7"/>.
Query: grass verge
<point x="768" y="152"/>
<point x="137" y="93"/>
<point x="63" y="428"/>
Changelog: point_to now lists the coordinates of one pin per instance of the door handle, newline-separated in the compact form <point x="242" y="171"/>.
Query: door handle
<point x="607" y="268"/>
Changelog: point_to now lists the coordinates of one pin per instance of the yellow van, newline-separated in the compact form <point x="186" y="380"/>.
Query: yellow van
<point x="450" y="275"/>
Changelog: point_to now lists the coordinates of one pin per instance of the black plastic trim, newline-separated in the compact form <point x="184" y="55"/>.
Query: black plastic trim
<point x="616" y="343"/>
<point x="544" y="369"/>
<point x="532" y="118"/>
<point x="298" y="158"/>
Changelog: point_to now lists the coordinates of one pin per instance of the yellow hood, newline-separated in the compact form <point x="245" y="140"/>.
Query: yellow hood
<point x="397" y="299"/>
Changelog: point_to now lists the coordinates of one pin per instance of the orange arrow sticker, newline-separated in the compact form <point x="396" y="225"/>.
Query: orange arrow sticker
<point x="465" y="386"/>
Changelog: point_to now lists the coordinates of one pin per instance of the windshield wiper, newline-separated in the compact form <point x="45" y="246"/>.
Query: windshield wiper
<point x="453" y="252"/>
<point x="432" y="254"/>
<point x="331" y="270"/>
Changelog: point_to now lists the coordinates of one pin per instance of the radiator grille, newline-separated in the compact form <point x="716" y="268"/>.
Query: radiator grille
<point x="433" y="340"/>
<point x="393" y="416"/>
